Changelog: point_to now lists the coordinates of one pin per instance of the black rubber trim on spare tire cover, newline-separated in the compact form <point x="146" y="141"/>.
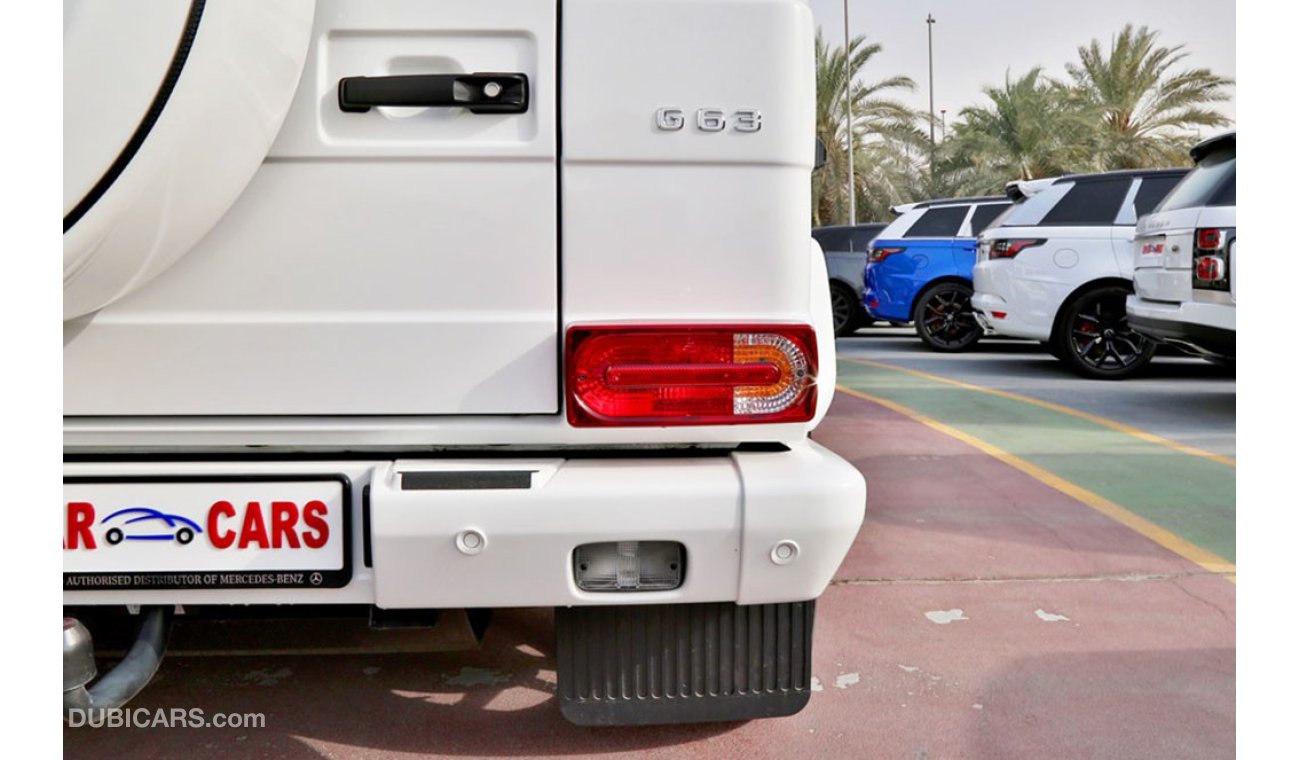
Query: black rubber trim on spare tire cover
<point x="150" y="118"/>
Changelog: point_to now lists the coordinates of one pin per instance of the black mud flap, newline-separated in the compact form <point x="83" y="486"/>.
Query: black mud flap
<point x="632" y="665"/>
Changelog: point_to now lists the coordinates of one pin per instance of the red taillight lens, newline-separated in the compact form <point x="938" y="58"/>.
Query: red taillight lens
<point x="638" y="376"/>
<point x="1008" y="248"/>
<point x="622" y="375"/>
<point x="1209" y="269"/>
<point x="1209" y="239"/>
<point x="880" y="254"/>
<point x="1210" y="259"/>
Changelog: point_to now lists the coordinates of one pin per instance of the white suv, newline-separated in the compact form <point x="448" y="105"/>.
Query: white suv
<point x="1057" y="267"/>
<point x="1185" y="258"/>
<point x="344" y="329"/>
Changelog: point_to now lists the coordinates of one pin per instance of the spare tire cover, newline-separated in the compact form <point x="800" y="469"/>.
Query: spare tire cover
<point x="169" y="109"/>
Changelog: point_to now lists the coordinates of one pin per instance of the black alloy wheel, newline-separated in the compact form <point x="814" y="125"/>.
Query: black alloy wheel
<point x="945" y="320"/>
<point x="1095" y="338"/>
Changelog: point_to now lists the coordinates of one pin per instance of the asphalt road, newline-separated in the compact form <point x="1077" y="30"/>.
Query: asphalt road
<point x="1046" y="570"/>
<point x="1179" y="397"/>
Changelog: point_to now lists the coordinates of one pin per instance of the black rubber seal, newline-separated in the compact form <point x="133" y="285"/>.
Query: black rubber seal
<point x="150" y="118"/>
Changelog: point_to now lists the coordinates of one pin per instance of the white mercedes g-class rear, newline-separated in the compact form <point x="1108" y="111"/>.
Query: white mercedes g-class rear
<point x="468" y="304"/>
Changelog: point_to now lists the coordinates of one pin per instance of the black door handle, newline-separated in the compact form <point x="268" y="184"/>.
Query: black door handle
<point x="479" y="92"/>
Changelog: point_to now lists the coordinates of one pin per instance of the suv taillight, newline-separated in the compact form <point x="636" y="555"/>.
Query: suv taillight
<point x="630" y="375"/>
<point x="1210" y="259"/>
<point x="1209" y="239"/>
<point x="1008" y="248"/>
<point x="878" y="255"/>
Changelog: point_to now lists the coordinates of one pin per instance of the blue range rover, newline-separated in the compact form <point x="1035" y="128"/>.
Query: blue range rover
<point x="919" y="269"/>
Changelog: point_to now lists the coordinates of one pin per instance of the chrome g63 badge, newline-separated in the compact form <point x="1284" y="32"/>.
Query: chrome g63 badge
<point x="710" y="119"/>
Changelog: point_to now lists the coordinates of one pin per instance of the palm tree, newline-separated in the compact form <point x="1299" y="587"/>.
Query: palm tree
<point x="876" y="119"/>
<point x="889" y="172"/>
<point x="1149" y="111"/>
<point x="1033" y="128"/>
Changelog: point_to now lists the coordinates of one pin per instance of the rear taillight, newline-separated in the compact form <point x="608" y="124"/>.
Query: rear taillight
<point x="1008" y="248"/>
<point x="878" y="255"/>
<point x="1209" y="268"/>
<point x="1209" y="239"/>
<point x="623" y="375"/>
<point x="1210" y="259"/>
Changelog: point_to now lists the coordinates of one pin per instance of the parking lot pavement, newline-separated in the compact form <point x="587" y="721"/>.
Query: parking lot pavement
<point x="999" y="602"/>
<point x="1178" y="397"/>
<point x="1154" y="483"/>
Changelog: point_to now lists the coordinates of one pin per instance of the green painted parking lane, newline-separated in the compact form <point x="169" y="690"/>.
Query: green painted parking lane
<point x="1191" y="496"/>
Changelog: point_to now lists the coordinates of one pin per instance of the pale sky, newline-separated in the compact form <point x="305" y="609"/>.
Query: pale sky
<point x="976" y="42"/>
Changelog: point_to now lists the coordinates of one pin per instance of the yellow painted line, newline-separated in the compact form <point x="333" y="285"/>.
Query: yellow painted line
<point x="1206" y="559"/>
<point x="1112" y="424"/>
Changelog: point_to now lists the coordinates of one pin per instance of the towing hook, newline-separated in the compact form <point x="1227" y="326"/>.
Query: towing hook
<point x="123" y="682"/>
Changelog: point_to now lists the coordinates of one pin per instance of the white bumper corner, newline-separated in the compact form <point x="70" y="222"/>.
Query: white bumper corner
<point x="1010" y="324"/>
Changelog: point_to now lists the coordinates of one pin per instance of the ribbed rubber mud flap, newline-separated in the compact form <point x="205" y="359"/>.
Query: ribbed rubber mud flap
<point x="683" y="663"/>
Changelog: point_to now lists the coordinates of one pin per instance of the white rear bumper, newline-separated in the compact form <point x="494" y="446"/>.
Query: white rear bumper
<point x="728" y="509"/>
<point x="1009" y="324"/>
<point x="1220" y="316"/>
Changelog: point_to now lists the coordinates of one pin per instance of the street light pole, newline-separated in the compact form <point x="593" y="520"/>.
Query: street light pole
<point x="929" y="34"/>
<point x="848" y="117"/>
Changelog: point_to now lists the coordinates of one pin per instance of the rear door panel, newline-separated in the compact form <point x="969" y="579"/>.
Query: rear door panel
<point x="963" y="256"/>
<point x="693" y="223"/>
<point x="400" y="261"/>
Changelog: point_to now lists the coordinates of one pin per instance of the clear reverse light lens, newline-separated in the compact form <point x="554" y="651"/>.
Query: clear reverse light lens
<point x="793" y="377"/>
<point x="629" y="566"/>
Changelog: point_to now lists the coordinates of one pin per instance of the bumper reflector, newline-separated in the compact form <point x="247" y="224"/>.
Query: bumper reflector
<point x="629" y="566"/>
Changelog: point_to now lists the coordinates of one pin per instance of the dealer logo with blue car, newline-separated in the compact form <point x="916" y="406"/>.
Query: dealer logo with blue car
<point x="147" y="524"/>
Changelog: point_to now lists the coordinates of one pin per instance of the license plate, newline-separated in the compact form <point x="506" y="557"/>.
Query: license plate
<point x="1152" y="246"/>
<point x="183" y="533"/>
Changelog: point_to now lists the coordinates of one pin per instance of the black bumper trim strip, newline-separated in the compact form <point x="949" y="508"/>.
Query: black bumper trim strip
<point x="467" y="480"/>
